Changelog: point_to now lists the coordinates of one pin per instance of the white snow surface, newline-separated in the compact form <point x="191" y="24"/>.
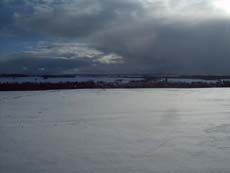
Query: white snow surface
<point x="115" y="131"/>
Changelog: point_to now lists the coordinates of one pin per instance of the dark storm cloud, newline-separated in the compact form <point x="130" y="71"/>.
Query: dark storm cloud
<point x="30" y="65"/>
<point x="69" y="18"/>
<point x="201" y="48"/>
<point x="148" y="36"/>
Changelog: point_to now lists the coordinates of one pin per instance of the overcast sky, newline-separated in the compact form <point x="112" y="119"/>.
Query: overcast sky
<point x="115" y="36"/>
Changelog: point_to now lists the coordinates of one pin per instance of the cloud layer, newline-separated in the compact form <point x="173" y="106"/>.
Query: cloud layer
<point x="116" y="36"/>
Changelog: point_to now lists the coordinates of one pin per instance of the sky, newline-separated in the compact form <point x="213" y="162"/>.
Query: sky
<point x="115" y="36"/>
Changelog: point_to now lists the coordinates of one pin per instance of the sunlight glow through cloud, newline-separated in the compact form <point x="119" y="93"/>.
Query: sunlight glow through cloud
<point x="223" y="5"/>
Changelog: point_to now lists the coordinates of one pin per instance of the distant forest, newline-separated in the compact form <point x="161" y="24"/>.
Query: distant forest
<point x="103" y="85"/>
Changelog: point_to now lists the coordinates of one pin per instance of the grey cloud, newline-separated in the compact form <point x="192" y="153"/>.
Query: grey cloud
<point x="201" y="48"/>
<point x="30" y="65"/>
<point x="148" y="36"/>
<point x="59" y="57"/>
<point x="82" y="18"/>
<point x="78" y="18"/>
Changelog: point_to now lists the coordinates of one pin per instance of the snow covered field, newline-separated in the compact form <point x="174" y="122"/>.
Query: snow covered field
<point x="115" y="131"/>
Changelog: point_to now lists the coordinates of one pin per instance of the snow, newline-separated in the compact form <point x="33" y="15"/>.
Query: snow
<point x="115" y="131"/>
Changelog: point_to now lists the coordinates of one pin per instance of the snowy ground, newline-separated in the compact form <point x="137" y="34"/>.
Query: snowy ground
<point x="115" y="131"/>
